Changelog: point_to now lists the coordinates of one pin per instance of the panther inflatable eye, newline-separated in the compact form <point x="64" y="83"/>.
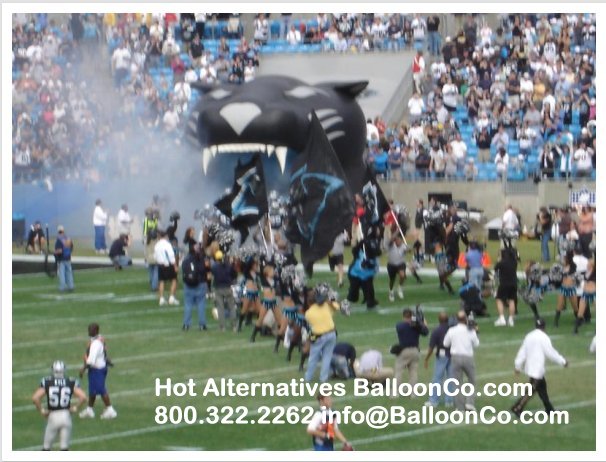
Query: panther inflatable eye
<point x="220" y="94"/>
<point x="303" y="92"/>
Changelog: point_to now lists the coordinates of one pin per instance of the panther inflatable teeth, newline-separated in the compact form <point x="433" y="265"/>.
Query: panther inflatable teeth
<point x="271" y="115"/>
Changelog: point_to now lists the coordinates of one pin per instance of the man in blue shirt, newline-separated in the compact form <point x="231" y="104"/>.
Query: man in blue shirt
<point x="63" y="256"/>
<point x="441" y="370"/>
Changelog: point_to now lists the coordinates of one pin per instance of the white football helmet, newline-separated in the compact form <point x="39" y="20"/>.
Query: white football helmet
<point x="58" y="369"/>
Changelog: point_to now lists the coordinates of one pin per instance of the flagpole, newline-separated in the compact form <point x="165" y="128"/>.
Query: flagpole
<point x="263" y="236"/>
<point x="271" y="233"/>
<point x="398" y="225"/>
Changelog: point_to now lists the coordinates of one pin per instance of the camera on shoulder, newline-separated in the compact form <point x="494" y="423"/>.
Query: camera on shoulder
<point x="418" y="317"/>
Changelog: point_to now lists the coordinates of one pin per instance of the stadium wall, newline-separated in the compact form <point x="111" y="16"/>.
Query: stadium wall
<point x="70" y="205"/>
<point x="489" y="197"/>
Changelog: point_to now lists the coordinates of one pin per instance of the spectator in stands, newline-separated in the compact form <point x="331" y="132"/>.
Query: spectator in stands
<point x="418" y="71"/>
<point x="422" y="161"/>
<point x="208" y="74"/>
<point x="249" y="71"/>
<point x="546" y="162"/>
<point x="394" y="33"/>
<point x="416" y="107"/>
<point x="437" y="164"/>
<point x="470" y="171"/>
<point x="395" y="161"/>
<point x="433" y="24"/>
<point x="459" y="151"/>
<point x="294" y="36"/>
<point x="565" y="162"/>
<point x="501" y="160"/>
<point x="378" y="31"/>
<point x="582" y="159"/>
<point x="450" y="169"/>
<point x="237" y="70"/>
<point x="195" y="50"/>
<point x="261" y="26"/>
<point x="120" y="63"/>
<point x="419" y="27"/>
<point x="409" y="156"/>
<point x="500" y="139"/>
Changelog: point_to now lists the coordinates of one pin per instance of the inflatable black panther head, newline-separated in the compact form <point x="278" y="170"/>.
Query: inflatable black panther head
<point x="272" y="115"/>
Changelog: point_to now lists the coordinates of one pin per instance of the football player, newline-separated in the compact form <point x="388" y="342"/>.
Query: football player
<point x="58" y="390"/>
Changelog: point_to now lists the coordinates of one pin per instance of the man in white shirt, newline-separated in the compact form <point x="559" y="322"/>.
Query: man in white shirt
<point x="462" y="340"/>
<point x="371" y="130"/>
<point x="170" y="119"/>
<point x="167" y="268"/>
<point x="120" y="63"/>
<point x="124" y="220"/>
<point x="370" y="367"/>
<point x="510" y="219"/>
<point x="99" y="223"/>
<point x="416" y="106"/>
<point x="459" y="149"/>
<point x="293" y="37"/>
<point x="531" y="356"/>
<point x="96" y="362"/>
<point x="582" y="160"/>
<point x="418" y="71"/>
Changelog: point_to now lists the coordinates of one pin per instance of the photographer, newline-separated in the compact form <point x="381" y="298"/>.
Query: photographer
<point x="441" y="370"/>
<point x="117" y="252"/>
<point x="193" y="270"/>
<point x="462" y="339"/>
<point x="409" y="330"/>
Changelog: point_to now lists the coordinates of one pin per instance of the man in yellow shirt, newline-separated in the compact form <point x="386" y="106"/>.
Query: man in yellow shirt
<point x="323" y="335"/>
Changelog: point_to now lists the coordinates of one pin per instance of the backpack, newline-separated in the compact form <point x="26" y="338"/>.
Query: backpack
<point x="190" y="275"/>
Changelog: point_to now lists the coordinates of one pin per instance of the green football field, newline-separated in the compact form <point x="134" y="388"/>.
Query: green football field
<point x="145" y="342"/>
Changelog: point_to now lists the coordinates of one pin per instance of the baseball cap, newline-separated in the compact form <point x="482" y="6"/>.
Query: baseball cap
<point x="60" y="229"/>
<point x="539" y="323"/>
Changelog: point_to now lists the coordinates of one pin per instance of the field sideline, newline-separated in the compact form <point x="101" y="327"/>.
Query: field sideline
<point x="146" y="342"/>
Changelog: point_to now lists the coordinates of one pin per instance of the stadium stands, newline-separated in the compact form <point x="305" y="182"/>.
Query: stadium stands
<point x="52" y="103"/>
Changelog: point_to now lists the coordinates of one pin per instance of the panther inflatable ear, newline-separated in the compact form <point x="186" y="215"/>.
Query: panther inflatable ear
<point x="202" y="87"/>
<point x="352" y="89"/>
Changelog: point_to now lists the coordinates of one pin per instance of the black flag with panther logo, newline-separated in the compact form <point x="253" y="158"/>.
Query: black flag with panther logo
<point x="376" y="204"/>
<point x="246" y="203"/>
<point x="321" y="203"/>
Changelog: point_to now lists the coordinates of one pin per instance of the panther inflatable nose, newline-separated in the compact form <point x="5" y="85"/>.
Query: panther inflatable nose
<point x="240" y="115"/>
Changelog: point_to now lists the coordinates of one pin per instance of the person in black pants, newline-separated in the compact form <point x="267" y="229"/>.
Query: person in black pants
<point x="531" y="355"/>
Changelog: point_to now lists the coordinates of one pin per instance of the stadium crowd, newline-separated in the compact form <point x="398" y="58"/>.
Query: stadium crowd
<point x="515" y="102"/>
<point x="511" y="103"/>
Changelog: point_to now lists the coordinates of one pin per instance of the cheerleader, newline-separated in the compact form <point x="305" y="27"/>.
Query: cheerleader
<point x="588" y="295"/>
<point x="269" y="301"/>
<point x="533" y="292"/>
<point x="567" y="287"/>
<point x="291" y="286"/>
<point x="250" y="299"/>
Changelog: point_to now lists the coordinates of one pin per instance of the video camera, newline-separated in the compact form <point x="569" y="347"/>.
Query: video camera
<point x="418" y="317"/>
<point x="471" y="321"/>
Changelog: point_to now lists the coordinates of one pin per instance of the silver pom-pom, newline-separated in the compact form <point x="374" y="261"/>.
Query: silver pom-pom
<point x="556" y="273"/>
